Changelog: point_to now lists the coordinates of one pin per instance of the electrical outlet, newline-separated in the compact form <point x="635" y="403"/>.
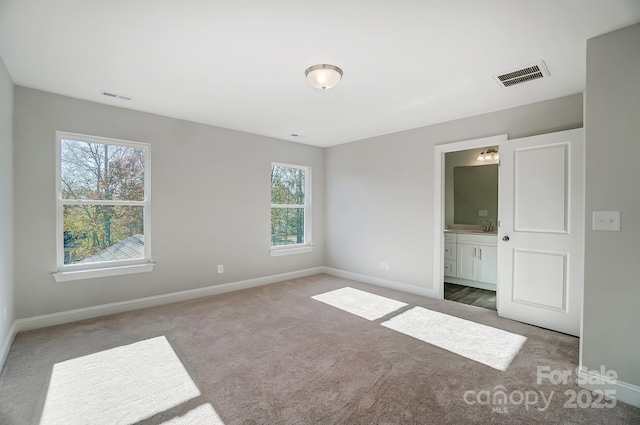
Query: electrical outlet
<point x="220" y="269"/>
<point x="384" y="265"/>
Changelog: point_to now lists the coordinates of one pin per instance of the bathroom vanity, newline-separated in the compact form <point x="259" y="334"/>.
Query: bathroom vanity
<point x="470" y="258"/>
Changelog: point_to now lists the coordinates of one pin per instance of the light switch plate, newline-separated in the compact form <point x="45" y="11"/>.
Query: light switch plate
<point x="606" y="220"/>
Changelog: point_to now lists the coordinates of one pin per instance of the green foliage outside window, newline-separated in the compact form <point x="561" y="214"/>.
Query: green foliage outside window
<point x="288" y="204"/>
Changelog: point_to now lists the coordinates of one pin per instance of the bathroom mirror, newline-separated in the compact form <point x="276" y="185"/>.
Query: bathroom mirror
<point x="475" y="191"/>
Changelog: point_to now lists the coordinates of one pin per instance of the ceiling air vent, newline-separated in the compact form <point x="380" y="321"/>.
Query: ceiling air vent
<point x="528" y="73"/>
<point x="114" y="95"/>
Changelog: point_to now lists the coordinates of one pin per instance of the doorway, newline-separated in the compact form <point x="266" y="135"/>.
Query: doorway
<point x="443" y="213"/>
<point x="540" y="253"/>
<point x="467" y="223"/>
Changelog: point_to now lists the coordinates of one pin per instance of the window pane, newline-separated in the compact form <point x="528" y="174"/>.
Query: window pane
<point x="287" y="226"/>
<point x="98" y="171"/>
<point x="287" y="185"/>
<point x="97" y="233"/>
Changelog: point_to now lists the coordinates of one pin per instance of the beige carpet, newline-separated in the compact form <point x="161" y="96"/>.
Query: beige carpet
<point x="275" y="355"/>
<point x="360" y="303"/>
<point x="121" y="385"/>
<point x="484" y="344"/>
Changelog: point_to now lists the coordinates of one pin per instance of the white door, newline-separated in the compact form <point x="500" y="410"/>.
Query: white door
<point x="541" y="234"/>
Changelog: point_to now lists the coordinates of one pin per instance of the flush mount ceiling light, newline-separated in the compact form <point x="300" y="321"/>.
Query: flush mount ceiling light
<point x="323" y="76"/>
<point x="489" y="155"/>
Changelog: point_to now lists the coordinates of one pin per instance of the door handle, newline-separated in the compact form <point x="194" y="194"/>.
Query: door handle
<point x="505" y="238"/>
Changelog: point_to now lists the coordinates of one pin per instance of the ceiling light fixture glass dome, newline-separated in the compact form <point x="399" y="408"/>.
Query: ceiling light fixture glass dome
<point x="323" y="76"/>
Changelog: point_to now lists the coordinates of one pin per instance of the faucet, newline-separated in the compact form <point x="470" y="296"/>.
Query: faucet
<point x="487" y="226"/>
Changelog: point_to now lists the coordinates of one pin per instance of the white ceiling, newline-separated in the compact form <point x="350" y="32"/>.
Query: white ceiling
<point x="240" y="64"/>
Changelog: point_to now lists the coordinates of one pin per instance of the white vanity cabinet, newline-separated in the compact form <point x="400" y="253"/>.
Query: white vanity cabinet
<point x="476" y="257"/>
<point x="450" y="254"/>
<point x="467" y="266"/>
<point x="488" y="264"/>
<point x="471" y="259"/>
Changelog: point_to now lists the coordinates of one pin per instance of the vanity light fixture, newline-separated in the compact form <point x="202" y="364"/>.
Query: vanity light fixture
<point x="490" y="154"/>
<point x="323" y="76"/>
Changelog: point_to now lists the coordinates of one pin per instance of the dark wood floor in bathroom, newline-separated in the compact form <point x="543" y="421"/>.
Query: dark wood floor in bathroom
<point x="468" y="295"/>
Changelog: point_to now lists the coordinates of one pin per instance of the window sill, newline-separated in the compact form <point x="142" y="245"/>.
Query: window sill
<point x="68" y="276"/>
<point x="277" y="252"/>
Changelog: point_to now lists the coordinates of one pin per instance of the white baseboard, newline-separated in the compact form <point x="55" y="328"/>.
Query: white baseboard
<point x="385" y="283"/>
<point x="6" y="345"/>
<point x="627" y="393"/>
<point x="119" y="307"/>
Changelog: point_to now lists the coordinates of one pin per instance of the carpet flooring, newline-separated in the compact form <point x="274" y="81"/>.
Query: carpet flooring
<point x="275" y="355"/>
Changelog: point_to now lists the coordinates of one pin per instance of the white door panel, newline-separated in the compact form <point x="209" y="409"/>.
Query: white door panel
<point x="541" y="204"/>
<point x="541" y="278"/>
<point x="540" y="182"/>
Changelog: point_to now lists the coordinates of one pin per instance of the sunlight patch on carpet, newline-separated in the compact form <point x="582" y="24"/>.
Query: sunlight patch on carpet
<point x="123" y="385"/>
<point x="490" y="346"/>
<point x="360" y="303"/>
<point x="203" y="414"/>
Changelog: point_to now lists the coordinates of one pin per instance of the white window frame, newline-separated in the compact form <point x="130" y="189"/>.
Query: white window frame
<point x="298" y="248"/>
<point x="69" y="272"/>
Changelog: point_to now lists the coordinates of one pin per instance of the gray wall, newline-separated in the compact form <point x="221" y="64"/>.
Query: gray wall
<point x="6" y="205"/>
<point x="210" y="203"/>
<point x="379" y="191"/>
<point x="611" y="335"/>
